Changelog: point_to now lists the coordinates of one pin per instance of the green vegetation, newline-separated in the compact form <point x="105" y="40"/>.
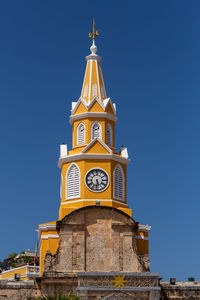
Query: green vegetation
<point x="12" y="255"/>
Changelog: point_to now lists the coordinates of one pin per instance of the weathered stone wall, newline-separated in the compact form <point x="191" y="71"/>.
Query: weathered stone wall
<point x="18" y="290"/>
<point x="181" y="290"/>
<point x="97" y="239"/>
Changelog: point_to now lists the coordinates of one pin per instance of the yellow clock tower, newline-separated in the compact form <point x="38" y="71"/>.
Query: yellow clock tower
<point x="92" y="172"/>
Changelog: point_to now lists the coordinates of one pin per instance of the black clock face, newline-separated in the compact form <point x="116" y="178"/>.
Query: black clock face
<point x="97" y="180"/>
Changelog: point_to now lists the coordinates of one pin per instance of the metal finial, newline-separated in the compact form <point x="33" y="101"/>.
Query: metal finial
<point x="94" y="33"/>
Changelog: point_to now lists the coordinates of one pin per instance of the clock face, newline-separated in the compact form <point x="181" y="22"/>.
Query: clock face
<point x="97" y="180"/>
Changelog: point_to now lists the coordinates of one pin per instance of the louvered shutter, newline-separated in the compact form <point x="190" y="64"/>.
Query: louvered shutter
<point x="94" y="90"/>
<point x="85" y="91"/>
<point x="73" y="182"/>
<point x="96" y="131"/>
<point x="81" y="134"/>
<point x="109" y="135"/>
<point x="118" y="183"/>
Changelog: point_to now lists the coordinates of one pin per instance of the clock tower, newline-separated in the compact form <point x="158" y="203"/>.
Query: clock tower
<point x="93" y="173"/>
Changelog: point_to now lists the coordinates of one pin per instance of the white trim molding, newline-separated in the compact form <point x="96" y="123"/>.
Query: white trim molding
<point x="49" y="236"/>
<point x="100" y="141"/>
<point x="144" y="228"/>
<point x="94" y="200"/>
<point x="93" y="115"/>
<point x="80" y="156"/>
<point x="141" y="237"/>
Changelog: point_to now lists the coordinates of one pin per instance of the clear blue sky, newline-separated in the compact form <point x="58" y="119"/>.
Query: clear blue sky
<point x="150" y="60"/>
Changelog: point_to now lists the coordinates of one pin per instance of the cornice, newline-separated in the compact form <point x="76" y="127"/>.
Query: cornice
<point x="81" y="156"/>
<point x="92" y="115"/>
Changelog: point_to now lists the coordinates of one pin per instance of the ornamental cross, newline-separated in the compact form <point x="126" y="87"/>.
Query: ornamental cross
<point x="94" y="33"/>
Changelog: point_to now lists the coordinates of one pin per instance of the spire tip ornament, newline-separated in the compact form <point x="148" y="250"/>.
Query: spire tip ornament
<point x="93" y="34"/>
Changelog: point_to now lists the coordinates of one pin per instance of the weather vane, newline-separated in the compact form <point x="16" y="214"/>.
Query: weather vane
<point x="94" y="33"/>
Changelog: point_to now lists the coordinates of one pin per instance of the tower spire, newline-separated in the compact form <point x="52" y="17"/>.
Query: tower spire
<point x="93" y="84"/>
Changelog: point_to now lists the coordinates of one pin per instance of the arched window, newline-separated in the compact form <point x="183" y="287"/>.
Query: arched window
<point x="96" y="130"/>
<point x="109" y="135"/>
<point x="118" y="183"/>
<point x="81" y="134"/>
<point x="73" y="182"/>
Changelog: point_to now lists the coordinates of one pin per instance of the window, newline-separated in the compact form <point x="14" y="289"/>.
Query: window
<point x="73" y="182"/>
<point x="81" y="134"/>
<point x="85" y="91"/>
<point x="119" y="183"/>
<point x="109" y="135"/>
<point x="94" y="90"/>
<point x="96" y="130"/>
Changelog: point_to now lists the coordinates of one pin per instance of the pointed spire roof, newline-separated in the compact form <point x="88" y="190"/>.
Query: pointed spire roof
<point x="93" y="84"/>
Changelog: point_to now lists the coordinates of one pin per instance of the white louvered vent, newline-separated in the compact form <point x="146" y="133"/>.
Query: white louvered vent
<point x="94" y="90"/>
<point x="85" y="91"/>
<point x="96" y="130"/>
<point x="109" y="135"/>
<point x="81" y="134"/>
<point x="118" y="183"/>
<point x="73" y="182"/>
<point x="102" y="92"/>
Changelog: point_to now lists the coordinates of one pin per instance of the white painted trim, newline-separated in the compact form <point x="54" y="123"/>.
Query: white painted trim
<point x="80" y="156"/>
<point x="86" y="115"/>
<point x="103" y="80"/>
<point x="49" y="236"/>
<point x="100" y="129"/>
<point x="90" y="81"/>
<point x="104" y="172"/>
<point x="66" y="182"/>
<point x="122" y="171"/>
<point x="100" y="141"/>
<point x="18" y="268"/>
<point x="94" y="200"/>
<point x="84" y="79"/>
<point x="47" y="227"/>
<point x="95" y="99"/>
<point x="107" y="101"/>
<point x="87" y="106"/>
<point x="141" y="237"/>
<point x="75" y="106"/>
<point x="144" y="228"/>
<point x="98" y="79"/>
<point x="79" y="146"/>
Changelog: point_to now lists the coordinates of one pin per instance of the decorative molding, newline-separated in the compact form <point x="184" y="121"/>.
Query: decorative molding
<point x="86" y="115"/>
<point x="98" y="80"/>
<point x="141" y="237"/>
<point x="91" y="200"/>
<point x="100" y="141"/>
<point x="145" y="228"/>
<point x="49" y="236"/>
<point x="81" y="156"/>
